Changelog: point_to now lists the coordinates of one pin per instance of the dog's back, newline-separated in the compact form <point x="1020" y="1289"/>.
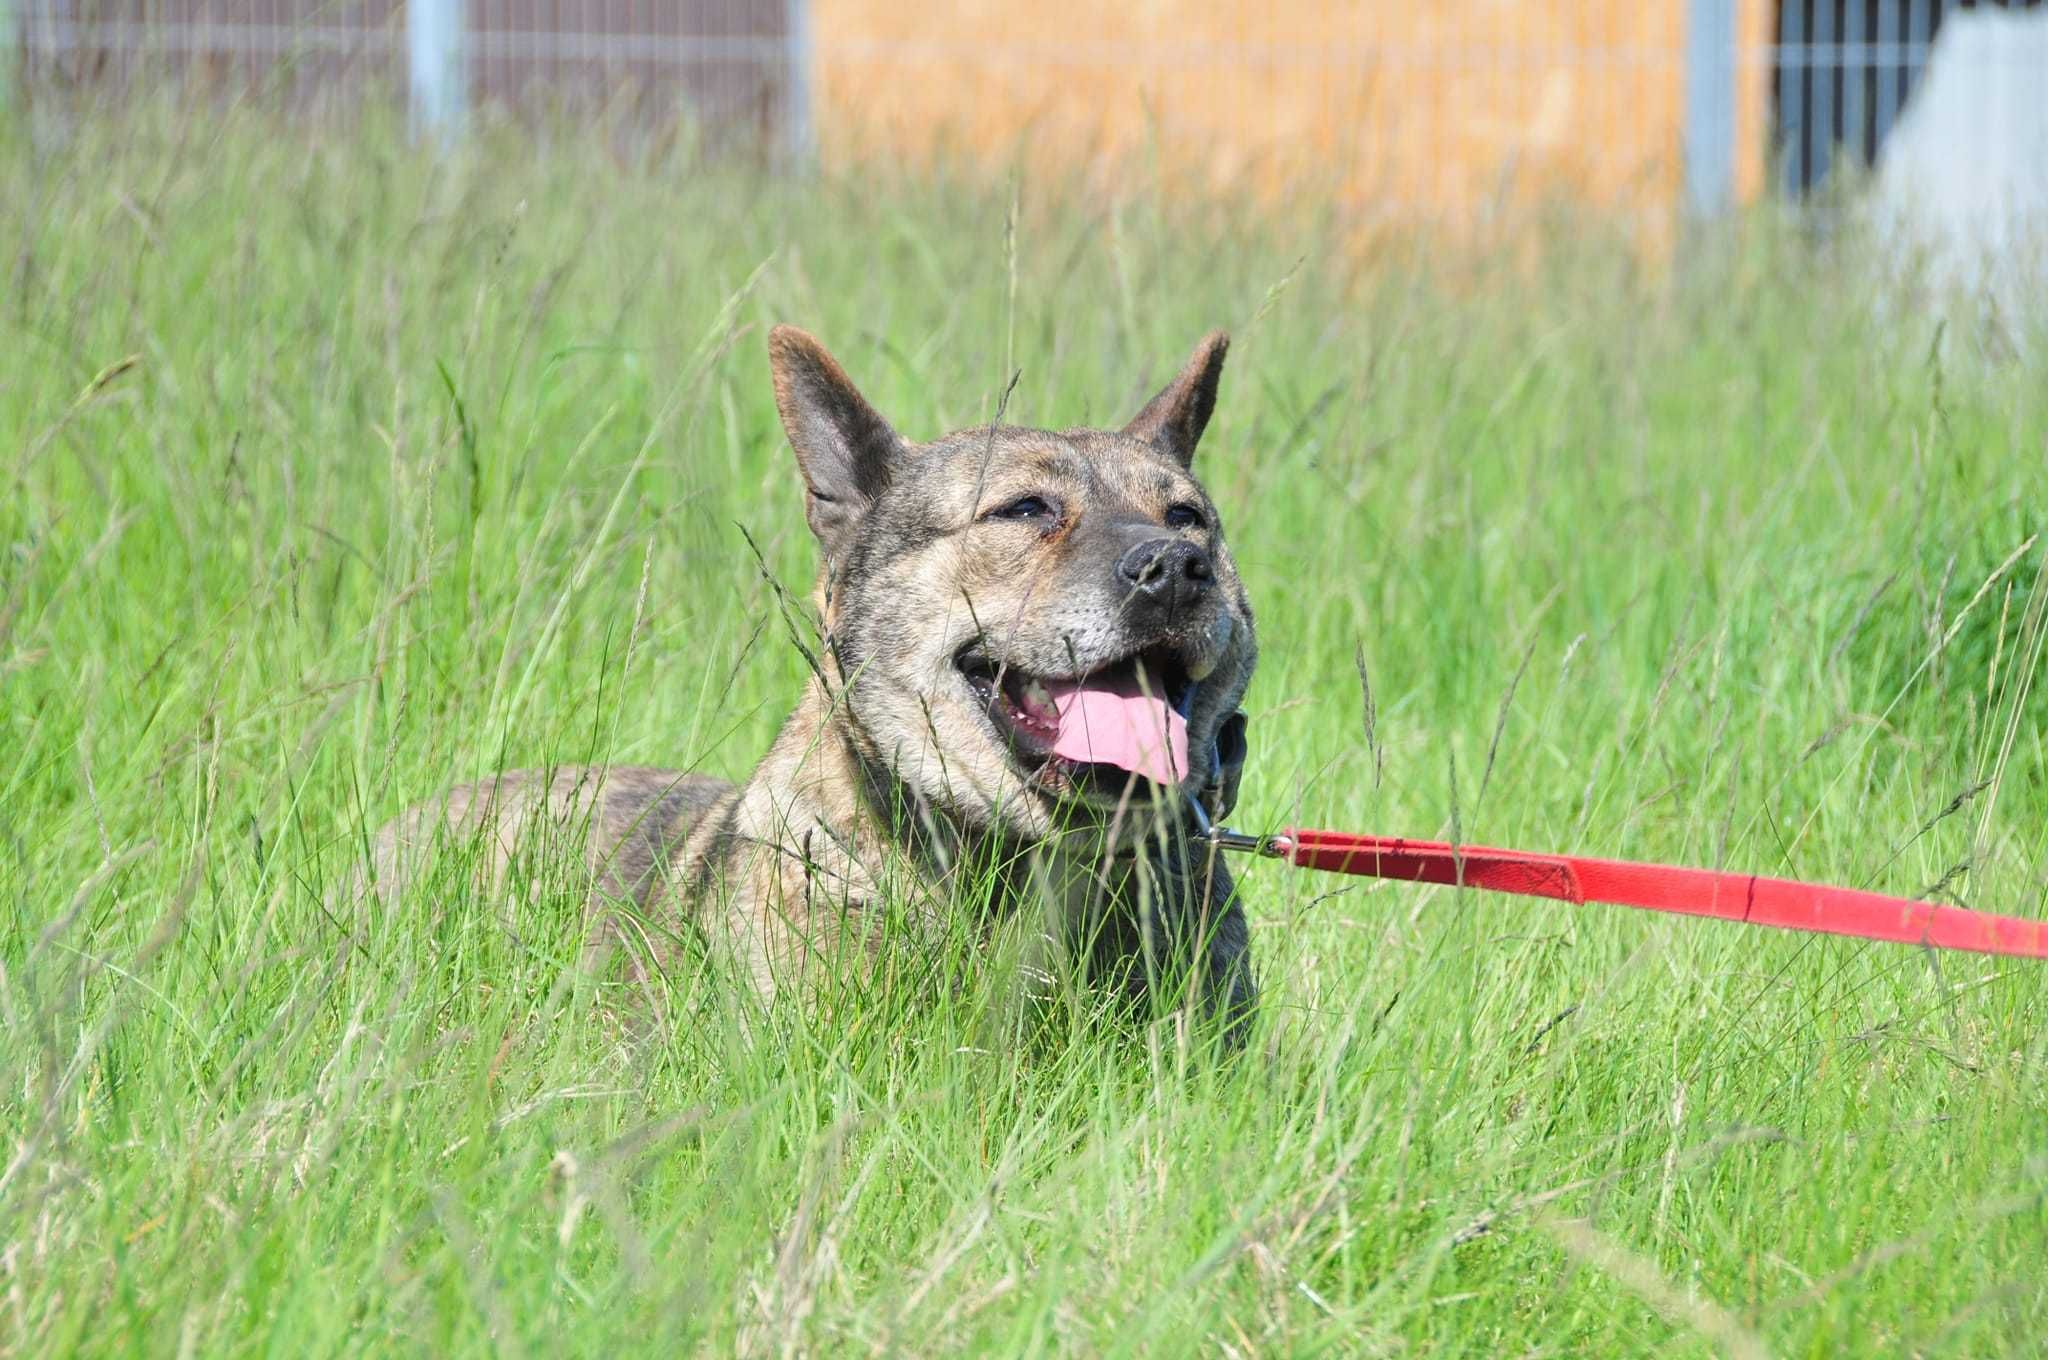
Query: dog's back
<point x="632" y="822"/>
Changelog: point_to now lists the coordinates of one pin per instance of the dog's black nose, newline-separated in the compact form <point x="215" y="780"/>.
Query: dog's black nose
<point x="1172" y="571"/>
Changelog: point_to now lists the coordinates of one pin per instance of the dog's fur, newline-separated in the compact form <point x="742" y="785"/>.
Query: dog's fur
<point x="1003" y="549"/>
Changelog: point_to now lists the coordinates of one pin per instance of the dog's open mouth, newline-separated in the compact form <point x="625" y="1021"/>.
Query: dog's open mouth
<point x="1089" y="732"/>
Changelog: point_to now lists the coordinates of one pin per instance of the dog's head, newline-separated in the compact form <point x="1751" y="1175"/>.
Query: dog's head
<point x="1028" y="627"/>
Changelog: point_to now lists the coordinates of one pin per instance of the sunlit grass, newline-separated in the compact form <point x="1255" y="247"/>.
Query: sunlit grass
<point x="335" y="474"/>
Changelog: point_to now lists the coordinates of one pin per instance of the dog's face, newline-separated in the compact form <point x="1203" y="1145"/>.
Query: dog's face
<point x="1030" y="628"/>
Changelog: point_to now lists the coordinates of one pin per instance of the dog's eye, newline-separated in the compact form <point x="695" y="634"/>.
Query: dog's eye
<point x="1024" y="507"/>
<point x="1183" y="517"/>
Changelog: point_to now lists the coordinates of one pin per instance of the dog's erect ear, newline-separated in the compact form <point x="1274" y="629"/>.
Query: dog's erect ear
<point x="1220" y="794"/>
<point x="1173" y="421"/>
<point x="846" y="451"/>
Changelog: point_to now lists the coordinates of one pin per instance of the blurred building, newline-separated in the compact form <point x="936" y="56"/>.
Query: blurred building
<point x="1448" y="112"/>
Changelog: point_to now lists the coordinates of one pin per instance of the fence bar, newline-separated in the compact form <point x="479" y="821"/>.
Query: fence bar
<point x="799" y="138"/>
<point x="1793" y="83"/>
<point x="1889" y="75"/>
<point x="1822" y="75"/>
<point x="1710" y="106"/>
<point x="1919" y="33"/>
<point x="13" y="48"/>
<point x="433" y="49"/>
<point x="1855" y="69"/>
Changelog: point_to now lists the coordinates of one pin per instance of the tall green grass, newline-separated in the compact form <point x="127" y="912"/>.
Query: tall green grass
<point x="335" y="472"/>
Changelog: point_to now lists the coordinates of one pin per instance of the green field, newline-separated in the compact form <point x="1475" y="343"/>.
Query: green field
<point x="334" y="473"/>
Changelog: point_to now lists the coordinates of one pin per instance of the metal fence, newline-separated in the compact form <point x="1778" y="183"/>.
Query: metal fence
<point x="1840" y="72"/>
<point x="734" y="67"/>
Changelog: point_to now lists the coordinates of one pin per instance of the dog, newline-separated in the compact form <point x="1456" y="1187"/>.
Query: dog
<point x="1032" y="651"/>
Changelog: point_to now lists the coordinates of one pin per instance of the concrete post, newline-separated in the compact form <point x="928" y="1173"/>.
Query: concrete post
<point x="1710" y="107"/>
<point x="437" y="77"/>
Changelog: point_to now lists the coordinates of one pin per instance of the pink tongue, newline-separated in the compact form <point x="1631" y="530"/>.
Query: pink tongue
<point x="1116" y="723"/>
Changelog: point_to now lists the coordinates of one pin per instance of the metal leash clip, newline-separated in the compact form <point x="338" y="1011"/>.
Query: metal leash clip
<point x="1223" y="838"/>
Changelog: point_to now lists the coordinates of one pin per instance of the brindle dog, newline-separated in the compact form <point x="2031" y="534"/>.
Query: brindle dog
<point x="1035" y="648"/>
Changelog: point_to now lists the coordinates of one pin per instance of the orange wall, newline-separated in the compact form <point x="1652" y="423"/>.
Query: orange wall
<point x="1446" y="111"/>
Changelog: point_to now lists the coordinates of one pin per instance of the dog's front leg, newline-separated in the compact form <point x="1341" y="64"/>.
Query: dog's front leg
<point x="1174" y="933"/>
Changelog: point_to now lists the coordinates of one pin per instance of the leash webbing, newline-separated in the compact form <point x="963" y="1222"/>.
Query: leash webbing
<point x="1749" y="898"/>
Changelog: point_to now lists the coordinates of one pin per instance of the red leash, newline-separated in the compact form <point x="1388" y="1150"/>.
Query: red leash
<point x="1749" y="898"/>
